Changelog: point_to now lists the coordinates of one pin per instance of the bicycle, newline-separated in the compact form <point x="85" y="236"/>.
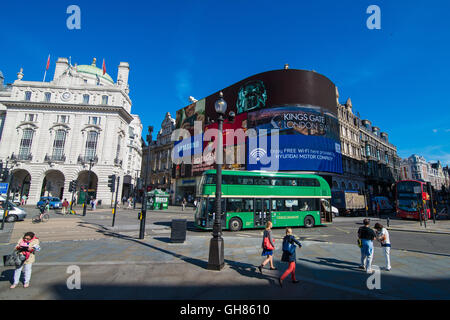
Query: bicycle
<point x="37" y="218"/>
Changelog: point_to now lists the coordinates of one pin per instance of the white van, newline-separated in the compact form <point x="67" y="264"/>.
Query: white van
<point x="14" y="212"/>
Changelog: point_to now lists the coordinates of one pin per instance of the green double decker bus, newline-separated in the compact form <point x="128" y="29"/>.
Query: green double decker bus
<point x="251" y="198"/>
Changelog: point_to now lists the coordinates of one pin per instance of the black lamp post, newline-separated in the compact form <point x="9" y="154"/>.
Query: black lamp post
<point x="135" y="189"/>
<point x="216" y="247"/>
<point x="144" y="200"/>
<point x="91" y="163"/>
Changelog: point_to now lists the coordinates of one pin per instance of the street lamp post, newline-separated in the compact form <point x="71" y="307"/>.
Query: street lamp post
<point x="91" y="163"/>
<point x="135" y="189"/>
<point x="216" y="245"/>
<point x="144" y="200"/>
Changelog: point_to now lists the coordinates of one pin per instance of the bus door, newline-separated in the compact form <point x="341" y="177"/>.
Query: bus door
<point x="211" y="212"/>
<point x="262" y="212"/>
<point x="326" y="214"/>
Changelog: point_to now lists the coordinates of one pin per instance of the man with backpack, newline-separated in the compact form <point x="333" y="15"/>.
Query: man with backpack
<point x="366" y="236"/>
<point x="289" y="248"/>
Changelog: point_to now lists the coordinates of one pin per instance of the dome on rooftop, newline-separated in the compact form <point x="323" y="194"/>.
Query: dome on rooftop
<point x="93" y="70"/>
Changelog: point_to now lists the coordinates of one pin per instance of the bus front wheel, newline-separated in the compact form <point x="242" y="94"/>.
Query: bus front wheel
<point x="308" y="222"/>
<point x="235" y="224"/>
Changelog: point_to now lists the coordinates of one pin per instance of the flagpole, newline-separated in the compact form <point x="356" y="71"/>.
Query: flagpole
<point x="46" y="67"/>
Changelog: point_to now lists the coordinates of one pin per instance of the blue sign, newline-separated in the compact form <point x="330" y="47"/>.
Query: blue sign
<point x="3" y="187"/>
<point x="294" y="152"/>
<point x="188" y="147"/>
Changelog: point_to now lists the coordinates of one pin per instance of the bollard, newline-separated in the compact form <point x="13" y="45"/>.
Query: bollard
<point x="387" y="222"/>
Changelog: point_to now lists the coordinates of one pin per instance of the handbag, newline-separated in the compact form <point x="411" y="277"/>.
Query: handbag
<point x="15" y="259"/>
<point x="288" y="246"/>
<point x="359" y="243"/>
<point x="267" y="244"/>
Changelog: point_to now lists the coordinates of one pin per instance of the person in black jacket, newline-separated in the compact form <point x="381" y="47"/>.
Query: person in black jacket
<point x="289" y="257"/>
<point x="366" y="235"/>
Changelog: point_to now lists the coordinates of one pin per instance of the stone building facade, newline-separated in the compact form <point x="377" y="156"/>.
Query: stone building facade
<point x="352" y="165"/>
<point x="369" y="161"/>
<point x="53" y="131"/>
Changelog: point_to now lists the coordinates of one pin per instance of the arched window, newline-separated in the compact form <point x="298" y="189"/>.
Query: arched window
<point x="25" y="144"/>
<point x="58" y="145"/>
<point x="91" y="145"/>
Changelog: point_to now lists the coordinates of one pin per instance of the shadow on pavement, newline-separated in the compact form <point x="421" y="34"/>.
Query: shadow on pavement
<point x="331" y="262"/>
<point x="7" y="275"/>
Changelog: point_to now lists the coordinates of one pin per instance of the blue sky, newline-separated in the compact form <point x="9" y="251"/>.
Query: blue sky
<point x="397" y="77"/>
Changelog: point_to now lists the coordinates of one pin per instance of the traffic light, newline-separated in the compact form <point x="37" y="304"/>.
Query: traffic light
<point x="112" y="182"/>
<point x="73" y="186"/>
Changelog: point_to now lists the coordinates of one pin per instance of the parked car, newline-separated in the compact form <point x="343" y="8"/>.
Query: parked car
<point x="334" y="210"/>
<point x="14" y="198"/>
<point x="14" y="212"/>
<point x="55" y="203"/>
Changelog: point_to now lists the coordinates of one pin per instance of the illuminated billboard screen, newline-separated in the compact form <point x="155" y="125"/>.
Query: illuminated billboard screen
<point x="307" y="140"/>
<point x="300" y="105"/>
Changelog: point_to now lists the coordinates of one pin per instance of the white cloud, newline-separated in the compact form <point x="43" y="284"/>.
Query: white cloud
<point x="435" y="130"/>
<point x="183" y="86"/>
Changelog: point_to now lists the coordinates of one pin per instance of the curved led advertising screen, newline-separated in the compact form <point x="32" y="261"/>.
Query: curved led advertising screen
<point x="289" y="118"/>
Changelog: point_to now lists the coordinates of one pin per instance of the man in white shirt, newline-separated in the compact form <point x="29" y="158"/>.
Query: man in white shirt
<point x="383" y="238"/>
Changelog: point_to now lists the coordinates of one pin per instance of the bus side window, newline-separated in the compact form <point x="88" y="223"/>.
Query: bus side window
<point x="248" y="205"/>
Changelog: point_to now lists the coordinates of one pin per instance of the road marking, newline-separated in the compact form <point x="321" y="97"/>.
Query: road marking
<point x="342" y="230"/>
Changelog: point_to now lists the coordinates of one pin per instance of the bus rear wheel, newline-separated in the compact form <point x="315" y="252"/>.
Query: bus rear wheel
<point x="308" y="222"/>
<point x="235" y="224"/>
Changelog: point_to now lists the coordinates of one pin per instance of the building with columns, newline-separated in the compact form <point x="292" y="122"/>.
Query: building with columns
<point x="53" y="132"/>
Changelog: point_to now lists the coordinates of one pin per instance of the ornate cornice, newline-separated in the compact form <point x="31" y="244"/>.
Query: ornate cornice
<point x="73" y="107"/>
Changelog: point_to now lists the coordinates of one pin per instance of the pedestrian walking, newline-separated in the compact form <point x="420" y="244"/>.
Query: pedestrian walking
<point x="183" y="204"/>
<point x="124" y="200"/>
<point x="366" y="236"/>
<point x="289" y="247"/>
<point x="27" y="245"/>
<point x="268" y="245"/>
<point x="195" y="204"/>
<point x="24" y="200"/>
<point x="65" y="205"/>
<point x="130" y="203"/>
<point x="383" y="237"/>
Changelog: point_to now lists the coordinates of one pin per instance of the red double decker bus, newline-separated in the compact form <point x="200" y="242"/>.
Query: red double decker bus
<point x="411" y="198"/>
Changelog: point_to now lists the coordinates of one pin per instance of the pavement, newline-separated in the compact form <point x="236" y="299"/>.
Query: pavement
<point x="115" y="264"/>
<point x="437" y="227"/>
